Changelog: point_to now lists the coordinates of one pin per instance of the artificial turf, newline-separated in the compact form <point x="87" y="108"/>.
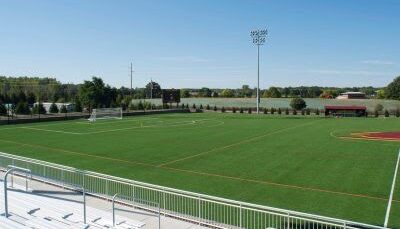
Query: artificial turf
<point x="298" y="163"/>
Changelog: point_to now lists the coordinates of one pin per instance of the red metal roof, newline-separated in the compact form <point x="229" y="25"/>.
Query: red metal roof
<point x="345" y="107"/>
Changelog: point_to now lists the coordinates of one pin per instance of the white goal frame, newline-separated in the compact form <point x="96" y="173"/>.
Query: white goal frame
<point x="105" y="113"/>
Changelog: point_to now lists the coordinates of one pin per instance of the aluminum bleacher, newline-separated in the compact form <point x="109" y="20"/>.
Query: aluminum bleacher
<point x="31" y="210"/>
<point x="48" y="207"/>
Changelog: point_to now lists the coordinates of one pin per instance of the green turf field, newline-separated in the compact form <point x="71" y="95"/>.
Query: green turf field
<point x="297" y="163"/>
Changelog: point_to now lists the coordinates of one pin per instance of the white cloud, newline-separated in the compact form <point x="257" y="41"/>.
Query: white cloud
<point x="377" y="62"/>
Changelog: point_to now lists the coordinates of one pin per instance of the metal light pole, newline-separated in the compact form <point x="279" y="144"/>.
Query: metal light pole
<point x="259" y="37"/>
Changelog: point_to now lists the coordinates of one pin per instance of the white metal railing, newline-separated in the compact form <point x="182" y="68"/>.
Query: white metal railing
<point x="198" y="208"/>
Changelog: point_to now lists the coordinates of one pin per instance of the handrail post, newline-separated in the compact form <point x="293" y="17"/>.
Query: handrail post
<point x="11" y="170"/>
<point x="113" y="208"/>
<point x="240" y="213"/>
<point x="84" y="198"/>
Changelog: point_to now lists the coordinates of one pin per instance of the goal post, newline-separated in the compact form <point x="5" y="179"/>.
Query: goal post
<point x="106" y="113"/>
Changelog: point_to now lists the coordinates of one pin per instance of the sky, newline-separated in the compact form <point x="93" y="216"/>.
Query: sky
<point x="203" y="43"/>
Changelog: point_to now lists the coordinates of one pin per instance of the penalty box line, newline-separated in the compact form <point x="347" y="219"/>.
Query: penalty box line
<point x="235" y="144"/>
<point x="201" y="173"/>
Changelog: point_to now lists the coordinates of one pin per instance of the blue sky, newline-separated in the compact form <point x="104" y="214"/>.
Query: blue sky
<point x="203" y="43"/>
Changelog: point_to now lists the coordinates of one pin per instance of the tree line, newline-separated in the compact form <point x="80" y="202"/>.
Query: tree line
<point x="22" y="93"/>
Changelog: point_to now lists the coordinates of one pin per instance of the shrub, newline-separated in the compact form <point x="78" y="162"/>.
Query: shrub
<point x="287" y="111"/>
<point x="141" y="106"/>
<point x="201" y="106"/>
<point x="215" y="108"/>
<point x="378" y="107"/>
<point x="53" y="108"/>
<point x="63" y="109"/>
<point x="223" y="109"/>
<point x="249" y="110"/>
<point x="208" y="107"/>
<point x="241" y="110"/>
<point x="303" y="112"/>
<point x="376" y="113"/>
<point x="279" y="111"/>
<point x="266" y="111"/>
<point x="317" y="112"/>
<point x="386" y="113"/>
<point x="298" y="103"/>
<point x="308" y="112"/>
<point x="3" y="109"/>
<point x="183" y="106"/>
<point x="194" y="106"/>
<point x="272" y="110"/>
<point x="22" y="108"/>
<point x="397" y="112"/>
<point x="233" y="109"/>
<point x="294" y="112"/>
<point x="39" y="109"/>
<point x="187" y="105"/>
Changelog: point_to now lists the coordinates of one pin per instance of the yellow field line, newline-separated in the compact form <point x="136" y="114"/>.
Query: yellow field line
<point x="281" y="185"/>
<point x="77" y="153"/>
<point x="199" y="173"/>
<point x="234" y="144"/>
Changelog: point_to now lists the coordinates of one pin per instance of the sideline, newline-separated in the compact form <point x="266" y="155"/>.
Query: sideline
<point x="391" y="192"/>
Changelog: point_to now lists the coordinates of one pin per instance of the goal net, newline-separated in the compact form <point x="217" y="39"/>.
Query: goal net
<point x="105" y="113"/>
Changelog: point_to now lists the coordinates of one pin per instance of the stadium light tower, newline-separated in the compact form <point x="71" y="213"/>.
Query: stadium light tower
<point x="259" y="37"/>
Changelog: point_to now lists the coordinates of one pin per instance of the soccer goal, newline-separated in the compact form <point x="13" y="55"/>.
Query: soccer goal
<point x="106" y="113"/>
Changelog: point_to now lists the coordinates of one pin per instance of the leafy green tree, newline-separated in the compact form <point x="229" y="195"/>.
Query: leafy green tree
<point x="153" y="87"/>
<point x="205" y="92"/>
<point x="380" y="94"/>
<point x="328" y="94"/>
<point x="272" y="92"/>
<point x="246" y="91"/>
<point x="53" y="108"/>
<point x="185" y="93"/>
<point x="3" y="109"/>
<point x="227" y="93"/>
<point x="77" y="105"/>
<point x="298" y="103"/>
<point x="393" y="89"/>
<point x="22" y="108"/>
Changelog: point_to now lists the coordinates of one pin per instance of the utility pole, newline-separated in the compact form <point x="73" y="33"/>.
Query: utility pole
<point x="259" y="37"/>
<point x="131" y="79"/>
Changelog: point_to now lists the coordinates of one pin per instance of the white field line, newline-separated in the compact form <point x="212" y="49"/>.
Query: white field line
<point x="115" y="121"/>
<point x="391" y="192"/>
<point x="188" y="122"/>
<point x="55" y="131"/>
